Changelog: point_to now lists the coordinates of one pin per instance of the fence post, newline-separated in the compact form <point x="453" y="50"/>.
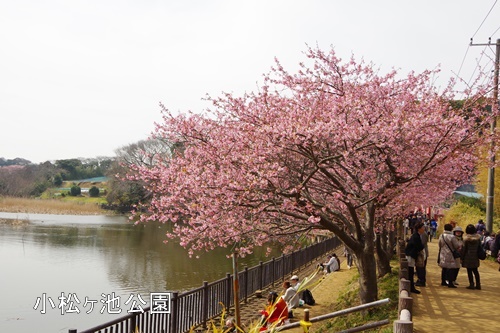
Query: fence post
<point x="405" y="301"/>
<point x="273" y="275"/>
<point x="173" y="313"/>
<point x="283" y="266"/>
<point x="204" y="304"/>
<point x="229" y="288"/>
<point x="261" y="275"/>
<point x="404" y="284"/>
<point x="246" y="284"/>
<point x="133" y="322"/>
<point x="404" y="324"/>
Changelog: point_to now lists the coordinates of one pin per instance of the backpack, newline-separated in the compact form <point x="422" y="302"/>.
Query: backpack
<point x="308" y="298"/>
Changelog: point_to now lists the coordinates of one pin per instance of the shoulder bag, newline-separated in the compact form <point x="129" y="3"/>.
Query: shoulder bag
<point x="455" y="253"/>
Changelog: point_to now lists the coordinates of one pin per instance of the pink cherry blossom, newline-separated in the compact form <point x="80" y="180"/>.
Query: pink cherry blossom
<point x="336" y="146"/>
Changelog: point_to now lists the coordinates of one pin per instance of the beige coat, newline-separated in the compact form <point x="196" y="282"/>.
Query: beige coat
<point x="446" y="259"/>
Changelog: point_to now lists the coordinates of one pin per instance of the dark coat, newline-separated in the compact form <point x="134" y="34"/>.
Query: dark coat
<point x="414" y="245"/>
<point x="469" y="251"/>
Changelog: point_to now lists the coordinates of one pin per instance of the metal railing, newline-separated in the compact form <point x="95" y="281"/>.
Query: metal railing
<point x="197" y="306"/>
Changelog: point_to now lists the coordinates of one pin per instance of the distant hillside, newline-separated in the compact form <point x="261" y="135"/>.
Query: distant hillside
<point x="15" y="161"/>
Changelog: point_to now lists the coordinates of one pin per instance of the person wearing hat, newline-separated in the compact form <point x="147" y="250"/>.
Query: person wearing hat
<point x="458" y="233"/>
<point x="294" y="281"/>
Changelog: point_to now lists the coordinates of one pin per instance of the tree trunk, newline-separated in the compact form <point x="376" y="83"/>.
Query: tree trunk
<point x="383" y="247"/>
<point x="367" y="268"/>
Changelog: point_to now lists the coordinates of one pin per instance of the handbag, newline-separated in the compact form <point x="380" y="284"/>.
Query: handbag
<point x="455" y="253"/>
<point x="481" y="253"/>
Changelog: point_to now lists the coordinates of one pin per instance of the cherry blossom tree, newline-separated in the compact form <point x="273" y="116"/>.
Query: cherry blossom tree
<point x="336" y="146"/>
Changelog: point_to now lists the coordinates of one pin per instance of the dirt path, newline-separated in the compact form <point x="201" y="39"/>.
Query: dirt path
<point x="443" y="309"/>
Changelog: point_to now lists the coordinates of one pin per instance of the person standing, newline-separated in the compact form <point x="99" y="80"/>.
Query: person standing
<point x="412" y="250"/>
<point x="447" y="244"/>
<point x="421" y="269"/>
<point x="472" y="241"/>
<point x="458" y="233"/>
<point x="434" y="227"/>
<point x="480" y="228"/>
<point x="348" y="255"/>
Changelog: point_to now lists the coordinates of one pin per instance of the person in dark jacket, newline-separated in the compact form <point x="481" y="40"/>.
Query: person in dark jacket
<point x="412" y="250"/>
<point x="470" y="260"/>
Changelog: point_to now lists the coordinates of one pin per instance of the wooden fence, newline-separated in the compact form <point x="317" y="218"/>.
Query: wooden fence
<point x="197" y="306"/>
<point x="404" y="323"/>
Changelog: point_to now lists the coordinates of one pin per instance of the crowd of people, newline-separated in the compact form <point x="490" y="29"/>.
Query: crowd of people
<point x="279" y="309"/>
<point x="457" y="249"/>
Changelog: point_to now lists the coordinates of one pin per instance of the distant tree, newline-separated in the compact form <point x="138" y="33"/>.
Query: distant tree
<point x="75" y="190"/>
<point x="27" y="180"/>
<point x="127" y="192"/>
<point x="145" y="152"/>
<point x="94" y="192"/>
<point x="70" y="167"/>
<point x="57" y="180"/>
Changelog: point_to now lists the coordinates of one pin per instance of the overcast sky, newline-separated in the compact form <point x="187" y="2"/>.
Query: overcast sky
<point x="81" y="78"/>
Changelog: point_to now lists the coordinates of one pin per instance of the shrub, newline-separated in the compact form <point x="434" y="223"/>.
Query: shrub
<point x="94" y="191"/>
<point x="75" y="190"/>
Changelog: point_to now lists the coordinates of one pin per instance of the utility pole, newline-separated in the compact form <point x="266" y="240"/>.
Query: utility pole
<point x="490" y="194"/>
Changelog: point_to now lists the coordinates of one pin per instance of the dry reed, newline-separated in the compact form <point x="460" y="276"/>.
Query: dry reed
<point x="49" y="206"/>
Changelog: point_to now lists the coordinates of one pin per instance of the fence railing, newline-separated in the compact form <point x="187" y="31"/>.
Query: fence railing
<point x="197" y="306"/>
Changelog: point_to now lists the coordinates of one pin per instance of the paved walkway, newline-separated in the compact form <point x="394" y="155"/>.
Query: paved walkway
<point x="443" y="309"/>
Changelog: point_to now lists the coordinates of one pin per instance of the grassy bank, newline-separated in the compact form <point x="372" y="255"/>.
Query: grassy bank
<point x="63" y="206"/>
<point x="388" y="287"/>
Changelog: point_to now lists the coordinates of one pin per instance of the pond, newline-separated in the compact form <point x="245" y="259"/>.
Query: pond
<point x="59" y="272"/>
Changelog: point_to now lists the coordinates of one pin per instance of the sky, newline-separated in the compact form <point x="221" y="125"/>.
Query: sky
<point x="82" y="78"/>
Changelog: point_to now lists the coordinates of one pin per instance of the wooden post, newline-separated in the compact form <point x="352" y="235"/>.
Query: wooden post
<point x="403" y="273"/>
<point x="403" y="263"/>
<point x="404" y="324"/>
<point x="405" y="301"/>
<point x="404" y="284"/>
<point x="306" y="324"/>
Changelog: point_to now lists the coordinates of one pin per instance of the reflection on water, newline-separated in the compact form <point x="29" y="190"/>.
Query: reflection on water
<point x="90" y="256"/>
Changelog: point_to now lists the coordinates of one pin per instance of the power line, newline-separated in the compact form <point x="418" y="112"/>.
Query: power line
<point x="494" y="32"/>
<point x="463" y="60"/>
<point x="457" y="76"/>
<point x="484" y="19"/>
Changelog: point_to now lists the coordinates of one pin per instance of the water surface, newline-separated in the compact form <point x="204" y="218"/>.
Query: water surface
<point x="92" y="258"/>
